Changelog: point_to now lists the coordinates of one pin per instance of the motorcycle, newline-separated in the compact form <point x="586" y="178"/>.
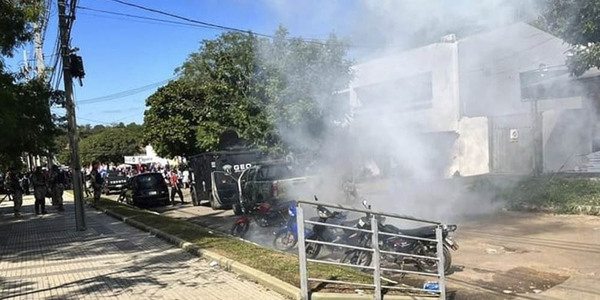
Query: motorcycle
<point x="404" y="245"/>
<point x="327" y="233"/>
<point x="263" y="214"/>
<point x="286" y="237"/>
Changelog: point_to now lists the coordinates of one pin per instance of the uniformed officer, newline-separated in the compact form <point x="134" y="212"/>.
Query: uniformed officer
<point x="40" y="186"/>
<point x="14" y="185"/>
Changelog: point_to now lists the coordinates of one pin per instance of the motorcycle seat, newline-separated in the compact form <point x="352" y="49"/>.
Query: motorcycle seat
<point x="426" y="231"/>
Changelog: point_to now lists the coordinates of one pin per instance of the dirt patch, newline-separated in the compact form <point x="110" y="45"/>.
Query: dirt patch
<point x="522" y="280"/>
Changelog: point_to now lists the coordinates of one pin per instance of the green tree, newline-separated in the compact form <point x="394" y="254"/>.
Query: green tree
<point x="111" y="144"/>
<point x="242" y="89"/>
<point x="26" y="124"/>
<point x="577" y="22"/>
<point x="171" y="121"/>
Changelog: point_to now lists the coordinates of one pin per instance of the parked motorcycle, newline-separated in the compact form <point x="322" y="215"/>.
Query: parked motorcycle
<point x="404" y="245"/>
<point x="263" y="214"/>
<point x="286" y="237"/>
<point x="327" y="233"/>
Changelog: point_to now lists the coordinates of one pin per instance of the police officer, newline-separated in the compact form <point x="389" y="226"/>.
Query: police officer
<point x="40" y="186"/>
<point x="57" y="181"/>
<point x="17" y="191"/>
<point x="97" y="182"/>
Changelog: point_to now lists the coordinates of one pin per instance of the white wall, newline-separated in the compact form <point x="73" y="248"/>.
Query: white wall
<point x="439" y="60"/>
<point x="490" y="63"/>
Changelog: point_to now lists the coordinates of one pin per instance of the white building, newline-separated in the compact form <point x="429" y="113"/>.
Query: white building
<point x="458" y="106"/>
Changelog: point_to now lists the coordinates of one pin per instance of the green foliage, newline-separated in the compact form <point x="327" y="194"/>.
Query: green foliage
<point x="171" y="121"/>
<point x="577" y="22"/>
<point x="110" y="144"/>
<point x="26" y="123"/>
<point x="554" y="194"/>
<point x="276" y="94"/>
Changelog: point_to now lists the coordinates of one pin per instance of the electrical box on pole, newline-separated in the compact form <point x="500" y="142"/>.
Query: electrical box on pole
<point x="65" y="51"/>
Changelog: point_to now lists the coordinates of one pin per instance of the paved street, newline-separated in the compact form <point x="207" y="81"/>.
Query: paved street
<point x="43" y="257"/>
<point x="504" y="255"/>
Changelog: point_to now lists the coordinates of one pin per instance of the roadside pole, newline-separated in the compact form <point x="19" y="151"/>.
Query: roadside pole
<point x="38" y="41"/>
<point x="72" y="122"/>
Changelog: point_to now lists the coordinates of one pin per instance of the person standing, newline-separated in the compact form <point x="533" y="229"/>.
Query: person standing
<point x="97" y="182"/>
<point x="186" y="178"/>
<point x="40" y="186"/>
<point x="17" y="191"/>
<point x="175" y="187"/>
<point x="58" y="181"/>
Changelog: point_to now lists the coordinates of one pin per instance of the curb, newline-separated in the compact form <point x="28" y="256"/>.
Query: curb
<point x="227" y="264"/>
<point x="336" y="296"/>
<point x="248" y="272"/>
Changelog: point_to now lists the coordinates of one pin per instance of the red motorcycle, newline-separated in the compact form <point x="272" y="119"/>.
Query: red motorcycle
<point x="264" y="214"/>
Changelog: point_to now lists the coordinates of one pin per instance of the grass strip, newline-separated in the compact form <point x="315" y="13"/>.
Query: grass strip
<point x="281" y="265"/>
<point x="557" y="195"/>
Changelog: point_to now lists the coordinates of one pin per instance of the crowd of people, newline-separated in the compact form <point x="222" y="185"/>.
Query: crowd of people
<point x="51" y="183"/>
<point x="176" y="178"/>
<point x="45" y="183"/>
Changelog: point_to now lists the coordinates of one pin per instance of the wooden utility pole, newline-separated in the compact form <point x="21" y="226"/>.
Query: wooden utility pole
<point x="64" y="27"/>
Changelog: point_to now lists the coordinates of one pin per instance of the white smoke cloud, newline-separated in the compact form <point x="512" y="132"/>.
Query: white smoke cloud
<point x="394" y="146"/>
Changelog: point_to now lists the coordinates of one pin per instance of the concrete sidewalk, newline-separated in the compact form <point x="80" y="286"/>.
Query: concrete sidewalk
<point x="43" y="257"/>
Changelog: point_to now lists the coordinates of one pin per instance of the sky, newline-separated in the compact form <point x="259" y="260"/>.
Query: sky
<point x="132" y="57"/>
<point x="121" y="53"/>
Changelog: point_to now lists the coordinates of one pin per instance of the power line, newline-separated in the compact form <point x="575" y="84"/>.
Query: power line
<point x="124" y="93"/>
<point x="216" y="26"/>
<point x="144" y="18"/>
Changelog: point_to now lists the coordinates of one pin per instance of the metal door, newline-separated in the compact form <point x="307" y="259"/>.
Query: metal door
<point x="511" y="144"/>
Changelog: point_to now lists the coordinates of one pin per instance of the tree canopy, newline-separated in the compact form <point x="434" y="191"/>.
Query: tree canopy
<point x="241" y="89"/>
<point x="577" y="22"/>
<point x="26" y="123"/>
<point x="111" y="144"/>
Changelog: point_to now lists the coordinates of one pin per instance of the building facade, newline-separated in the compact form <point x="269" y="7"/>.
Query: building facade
<point x="459" y="107"/>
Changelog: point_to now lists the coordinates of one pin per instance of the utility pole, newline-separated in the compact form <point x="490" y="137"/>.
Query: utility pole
<point x="38" y="41"/>
<point x="38" y="27"/>
<point x="70" y="106"/>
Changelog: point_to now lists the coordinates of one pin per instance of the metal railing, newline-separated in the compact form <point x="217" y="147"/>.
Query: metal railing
<point x="376" y="263"/>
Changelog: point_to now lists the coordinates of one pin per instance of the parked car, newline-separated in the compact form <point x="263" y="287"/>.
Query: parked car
<point x="270" y="182"/>
<point x="147" y="189"/>
<point x="114" y="181"/>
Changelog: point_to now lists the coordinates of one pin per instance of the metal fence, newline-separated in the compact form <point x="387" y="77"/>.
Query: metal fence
<point x="375" y="266"/>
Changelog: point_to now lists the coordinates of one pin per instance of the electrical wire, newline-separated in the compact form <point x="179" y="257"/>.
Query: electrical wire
<point x="216" y="26"/>
<point x="157" y="20"/>
<point x="123" y="94"/>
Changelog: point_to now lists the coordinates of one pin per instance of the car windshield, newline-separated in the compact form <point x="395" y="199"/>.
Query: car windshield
<point x="275" y="172"/>
<point x="149" y="181"/>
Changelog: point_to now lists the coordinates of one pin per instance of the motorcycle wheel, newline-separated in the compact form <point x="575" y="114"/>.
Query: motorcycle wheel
<point x="357" y="257"/>
<point x="284" y="241"/>
<point x="430" y="266"/>
<point x="240" y="229"/>
<point x="312" y="250"/>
